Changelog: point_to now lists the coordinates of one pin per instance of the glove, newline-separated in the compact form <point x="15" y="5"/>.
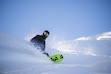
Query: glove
<point x="46" y="54"/>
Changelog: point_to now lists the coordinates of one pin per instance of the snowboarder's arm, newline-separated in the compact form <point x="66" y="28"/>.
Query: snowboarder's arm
<point x="34" y="38"/>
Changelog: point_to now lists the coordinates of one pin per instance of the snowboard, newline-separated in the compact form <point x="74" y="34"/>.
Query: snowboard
<point x="57" y="58"/>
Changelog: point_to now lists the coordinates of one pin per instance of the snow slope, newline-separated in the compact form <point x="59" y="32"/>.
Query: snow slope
<point x="85" y="55"/>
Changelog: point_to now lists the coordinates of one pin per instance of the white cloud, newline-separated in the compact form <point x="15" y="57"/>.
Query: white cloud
<point x="83" y="38"/>
<point x="84" y="45"/>
<point x="104" y="36"/>
<point x="72" y="47"/>
<point x="90" y="52"/>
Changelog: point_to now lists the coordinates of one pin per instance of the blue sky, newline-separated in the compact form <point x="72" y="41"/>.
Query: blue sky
<point x="68" y="19"/>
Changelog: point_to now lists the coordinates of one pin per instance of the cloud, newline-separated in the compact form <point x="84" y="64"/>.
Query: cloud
<point x="73" y="47"/>
<point x="104" y="36"/>
<point x="83" y="38"/>
<point x="91" y="45"/>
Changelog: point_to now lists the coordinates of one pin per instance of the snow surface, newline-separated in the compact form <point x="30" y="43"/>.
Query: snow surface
<point x="85" y="55"/>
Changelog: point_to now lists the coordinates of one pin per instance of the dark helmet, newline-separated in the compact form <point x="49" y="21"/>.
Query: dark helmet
<point x="46" y="33"/>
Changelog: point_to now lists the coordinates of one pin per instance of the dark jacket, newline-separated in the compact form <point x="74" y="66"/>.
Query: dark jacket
<point x="39" y="40"/>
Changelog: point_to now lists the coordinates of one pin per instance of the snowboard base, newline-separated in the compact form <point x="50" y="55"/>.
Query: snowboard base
<point x="57" y="58"/>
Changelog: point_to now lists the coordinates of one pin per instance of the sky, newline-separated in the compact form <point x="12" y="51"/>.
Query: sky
<point x="65" y="19"/>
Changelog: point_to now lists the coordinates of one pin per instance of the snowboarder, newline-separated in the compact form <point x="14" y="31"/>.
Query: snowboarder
<point x="39" y="41"/>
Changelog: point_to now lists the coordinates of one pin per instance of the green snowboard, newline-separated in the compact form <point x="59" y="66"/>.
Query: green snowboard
<point x="56" y="58"/>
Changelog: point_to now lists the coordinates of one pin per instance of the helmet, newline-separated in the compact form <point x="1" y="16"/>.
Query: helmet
<point x="46" y="33"/>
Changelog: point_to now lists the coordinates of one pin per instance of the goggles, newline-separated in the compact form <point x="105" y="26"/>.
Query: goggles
<point x="46" y="34"/>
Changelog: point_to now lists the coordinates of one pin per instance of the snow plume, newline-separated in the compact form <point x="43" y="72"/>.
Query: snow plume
<point x="29" y="36"/>
<point x="16" y="54"/>
<point x="95" y="45"/>
<point x="13" y="46"/>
